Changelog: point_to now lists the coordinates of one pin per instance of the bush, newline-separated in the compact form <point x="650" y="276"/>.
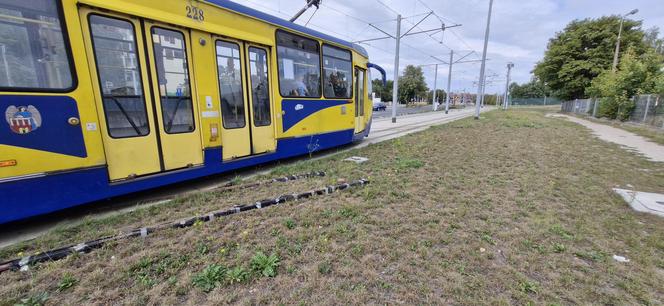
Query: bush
<point x="636" y="75"/>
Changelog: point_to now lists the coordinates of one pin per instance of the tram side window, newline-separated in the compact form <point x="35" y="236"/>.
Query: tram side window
<point x="32" y="46"/>
<point x="338" y="68"/>
<point x="299" y="66"/>
<point x="230" y="84"/>
<point x="120" y="81"/>
<point x="173" y="75"/>
<point x="260" y="88"/>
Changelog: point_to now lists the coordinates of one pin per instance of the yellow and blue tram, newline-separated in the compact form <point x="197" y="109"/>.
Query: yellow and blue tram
<point x="103" y="98"/>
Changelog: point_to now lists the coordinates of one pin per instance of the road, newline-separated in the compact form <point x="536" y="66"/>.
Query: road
<point x="382" y="129"/>
<point x="403" y="110"/>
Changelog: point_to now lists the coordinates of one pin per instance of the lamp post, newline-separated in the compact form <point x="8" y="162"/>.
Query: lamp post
<point x="615" y="54"/>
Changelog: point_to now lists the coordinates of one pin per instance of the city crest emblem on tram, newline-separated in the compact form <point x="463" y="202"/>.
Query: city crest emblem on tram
<point x="23" y="119"/>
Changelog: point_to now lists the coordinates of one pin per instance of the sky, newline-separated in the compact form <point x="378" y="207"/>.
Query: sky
<point x="520" y="30"/>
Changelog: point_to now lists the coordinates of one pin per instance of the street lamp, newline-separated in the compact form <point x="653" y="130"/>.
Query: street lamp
<point x="615" y="54"/>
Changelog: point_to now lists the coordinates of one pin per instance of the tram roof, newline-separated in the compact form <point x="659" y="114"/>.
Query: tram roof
<point x="285" y="23"/>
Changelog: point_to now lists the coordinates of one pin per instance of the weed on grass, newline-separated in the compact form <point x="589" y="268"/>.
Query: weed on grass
<point x="593" y="255"/>
<point x="236" y="275"/>
<point x="559" y="248"/>
<point x="67" y="282"/>
<point x="265" y="265"/>
<point x="409" y="163"/>
<point x="38" y="299"/>
<point x="289" y="223"/>
<point x="324" y="267"/>
<point x="512" y="209"/>
<point x="211" y="277"/>
<point x="152" y="269"/>
<point x="528" y="287"/>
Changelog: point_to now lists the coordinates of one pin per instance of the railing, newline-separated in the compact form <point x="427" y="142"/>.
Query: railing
<point x="648" y="109"/>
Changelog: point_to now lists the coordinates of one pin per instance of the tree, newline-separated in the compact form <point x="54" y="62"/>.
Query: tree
<point x="384" y="92"/>
<point x="578" y="54"/>
<point x="440" y="95"/>
<point x="636" y="75"/>
<point x="412" y="84"/>
<point x="659" y="85"/>
<point x="532" y="89"/>
<point x="651" y="38"/>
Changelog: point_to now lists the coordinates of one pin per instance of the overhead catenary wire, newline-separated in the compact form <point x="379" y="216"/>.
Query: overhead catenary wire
<point x="312" y="16"/>
<point x="365" y="24"/>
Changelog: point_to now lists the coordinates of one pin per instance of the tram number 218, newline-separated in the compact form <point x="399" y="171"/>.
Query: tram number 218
<point x="195" y="13"/>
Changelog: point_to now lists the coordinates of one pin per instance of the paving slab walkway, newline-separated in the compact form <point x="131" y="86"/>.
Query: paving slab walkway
<point x="629" y="140"/>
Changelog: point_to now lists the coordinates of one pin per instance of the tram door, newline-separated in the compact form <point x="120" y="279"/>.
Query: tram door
<point x="143" y="91"/>
<point x="244" y="91"/>
<point x="360" y="98"/>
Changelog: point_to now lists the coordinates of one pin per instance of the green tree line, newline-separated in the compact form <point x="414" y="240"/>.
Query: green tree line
<point x="412" y="86"/>
<point x="578" y="64"/>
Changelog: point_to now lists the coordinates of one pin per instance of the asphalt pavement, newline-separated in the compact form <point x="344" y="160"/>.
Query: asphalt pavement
<point x="406" y="110"/>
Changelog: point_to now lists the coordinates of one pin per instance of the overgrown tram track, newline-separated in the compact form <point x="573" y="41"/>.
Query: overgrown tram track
<point x="88" y="246"/>
<point x="377" y="135"/>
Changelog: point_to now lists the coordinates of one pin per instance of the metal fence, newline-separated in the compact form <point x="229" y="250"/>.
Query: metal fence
<point x="535" y="101"/>
<point x="648" y="110"/>
<point x="579" y="106"/>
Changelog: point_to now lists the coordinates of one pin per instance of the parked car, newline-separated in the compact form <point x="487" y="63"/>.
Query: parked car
<point x="379" y="106"/>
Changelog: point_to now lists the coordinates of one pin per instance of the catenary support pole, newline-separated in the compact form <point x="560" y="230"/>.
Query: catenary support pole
<point x="507" y="86"/>
<point x="435" y="82"/>
<point x="395" y="88"/>
<point x="483" y="92"/>
<point x="480" y="89"/>
<point x="449" y="82"/>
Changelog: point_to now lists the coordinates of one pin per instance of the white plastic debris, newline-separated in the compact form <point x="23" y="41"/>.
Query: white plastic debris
<point x="357" y="159"/>
<point x="620" y="258"/>
<point x="24" y="268"/>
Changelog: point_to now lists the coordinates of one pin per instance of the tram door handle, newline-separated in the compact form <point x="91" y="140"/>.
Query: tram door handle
<point x="73" y="121"/>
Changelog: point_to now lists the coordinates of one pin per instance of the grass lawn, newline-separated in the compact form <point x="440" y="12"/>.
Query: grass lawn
<point x="515" y="208"/>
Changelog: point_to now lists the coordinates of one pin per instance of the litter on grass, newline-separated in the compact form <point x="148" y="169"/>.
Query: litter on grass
<point x="357" y="159"/>
<point x="620" y="258"/>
